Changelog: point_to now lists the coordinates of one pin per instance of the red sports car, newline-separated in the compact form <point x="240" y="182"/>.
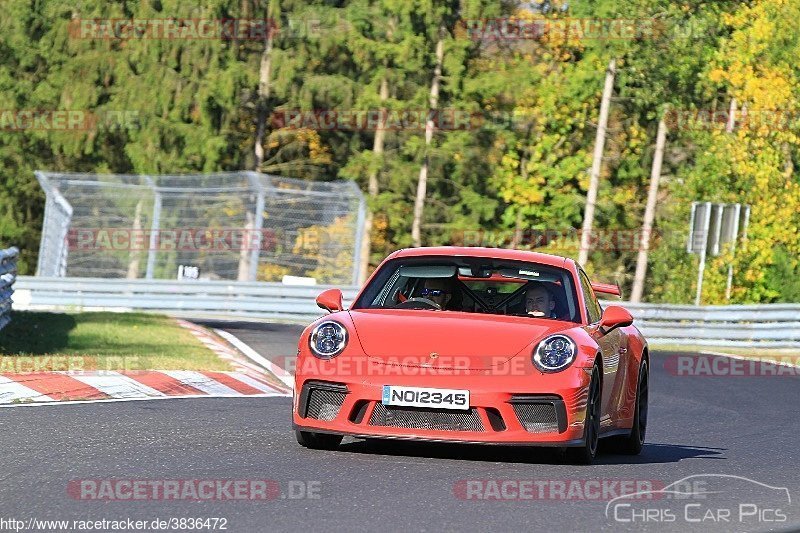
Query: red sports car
<point x="476" y="345"/>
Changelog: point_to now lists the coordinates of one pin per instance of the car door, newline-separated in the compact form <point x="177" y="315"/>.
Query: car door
<point x="613" y="347"/>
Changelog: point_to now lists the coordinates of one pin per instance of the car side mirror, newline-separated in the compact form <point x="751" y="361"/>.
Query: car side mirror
<point x="330" y="300"/>
<point x="615" y="316"/>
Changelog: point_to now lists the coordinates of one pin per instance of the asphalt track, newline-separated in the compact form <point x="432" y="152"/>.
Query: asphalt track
<point x="734" y="426"/>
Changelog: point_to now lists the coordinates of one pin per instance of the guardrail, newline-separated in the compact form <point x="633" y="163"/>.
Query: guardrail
<point x="8" y="273"/>
<point x="208" y="298"/>
<point x="738" y="326"/>
<point x="745" y="326"/>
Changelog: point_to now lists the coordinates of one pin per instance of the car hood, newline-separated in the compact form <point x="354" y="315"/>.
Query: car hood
<point x="459" y="340"/>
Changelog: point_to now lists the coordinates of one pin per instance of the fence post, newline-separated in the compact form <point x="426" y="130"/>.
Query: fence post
<point x="54" y="243"/>
<point x="701" y="269"/>
<point x="258" y="225"/>
<point x="154" y="226"/>
<point x="362" y="213"/>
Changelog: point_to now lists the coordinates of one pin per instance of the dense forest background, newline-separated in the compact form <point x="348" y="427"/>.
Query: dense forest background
<point x="522" y="165"/>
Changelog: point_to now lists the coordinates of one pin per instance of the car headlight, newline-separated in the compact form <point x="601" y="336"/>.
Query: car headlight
<point x="554" y="353"/>
<point x="328" y="339"/>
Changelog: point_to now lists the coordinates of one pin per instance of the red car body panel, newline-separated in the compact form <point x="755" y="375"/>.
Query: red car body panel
<point x="449" y="335"/>
<point x="489" y="355"/>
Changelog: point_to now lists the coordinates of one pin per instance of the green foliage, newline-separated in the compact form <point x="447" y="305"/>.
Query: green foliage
<point x="196" y="106"/>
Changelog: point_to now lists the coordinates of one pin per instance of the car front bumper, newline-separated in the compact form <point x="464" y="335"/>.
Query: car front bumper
<point x="543" y="410"/>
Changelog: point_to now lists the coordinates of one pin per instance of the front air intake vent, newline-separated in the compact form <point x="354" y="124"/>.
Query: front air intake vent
<point x="322" y="400"/>
<point x="540" y="413"/>
<point x="420" y="418"/>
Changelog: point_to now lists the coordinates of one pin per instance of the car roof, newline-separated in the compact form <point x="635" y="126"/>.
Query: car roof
<point x="493" y="253"/>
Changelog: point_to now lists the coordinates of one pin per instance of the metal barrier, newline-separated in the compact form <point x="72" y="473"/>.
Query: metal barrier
<point x="8" y="273"/>
<point x="207" y="298"/>
<point x="745" y="326"/>
<point x="738" y="326"/>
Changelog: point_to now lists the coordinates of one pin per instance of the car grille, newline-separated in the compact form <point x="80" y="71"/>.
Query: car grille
<point x="418" y="418"/>
<point x="324" y="404"/>
<point x="537" y="417"/>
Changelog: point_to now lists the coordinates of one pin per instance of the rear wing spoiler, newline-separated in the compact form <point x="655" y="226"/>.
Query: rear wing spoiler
<point x="607" y="288"/>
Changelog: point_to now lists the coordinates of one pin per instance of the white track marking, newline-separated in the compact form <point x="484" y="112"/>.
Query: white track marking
<point x="124" y="388"/>
<point x="263" y="387"/>
<point x="117" y="385"/>
<point x="10" y="391"/>
<point x="279" y="372"/>
<point x="202" y="382"/>
<point x="115" y="400"/>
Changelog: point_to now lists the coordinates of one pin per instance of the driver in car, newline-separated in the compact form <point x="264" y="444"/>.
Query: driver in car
<point x="539" y="301"/>
<point x="438" y="290"/>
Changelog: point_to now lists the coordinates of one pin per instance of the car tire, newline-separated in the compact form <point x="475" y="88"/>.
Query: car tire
<point x="633" y="443"/>
<point x="585" y="454"/>
<point x="318" y="441"/>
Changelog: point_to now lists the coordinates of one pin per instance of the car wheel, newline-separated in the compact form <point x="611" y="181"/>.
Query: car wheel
<point x="585" y="454"/>
<point x="633" y="443"/>
<point x="318" y="441"/>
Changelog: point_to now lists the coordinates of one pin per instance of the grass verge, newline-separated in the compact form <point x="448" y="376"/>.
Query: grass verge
<point x="43" y="341"/>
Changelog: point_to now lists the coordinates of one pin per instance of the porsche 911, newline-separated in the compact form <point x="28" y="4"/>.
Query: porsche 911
<point x="474" y="345"/>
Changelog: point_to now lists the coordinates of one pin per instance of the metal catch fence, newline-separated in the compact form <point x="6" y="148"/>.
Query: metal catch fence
<point x="242" y="226"/>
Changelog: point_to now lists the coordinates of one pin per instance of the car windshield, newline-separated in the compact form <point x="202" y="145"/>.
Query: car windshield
<point x="473" y="285"/>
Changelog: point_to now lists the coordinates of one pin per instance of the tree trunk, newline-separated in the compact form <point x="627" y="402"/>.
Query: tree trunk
<point x="517" y="238"/>
<point x="597" y="162"/>
<point x="264" y="82"/>
<point x="729" y="127"/>
<point x="422" y="182"/>
<point x="372" y="185"/>
<point x="788" y="165"/>
<point x="731" y="117"/>
<point x="649" y="214"/>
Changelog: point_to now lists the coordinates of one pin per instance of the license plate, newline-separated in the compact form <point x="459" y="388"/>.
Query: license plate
<point x="425" y="397"/>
